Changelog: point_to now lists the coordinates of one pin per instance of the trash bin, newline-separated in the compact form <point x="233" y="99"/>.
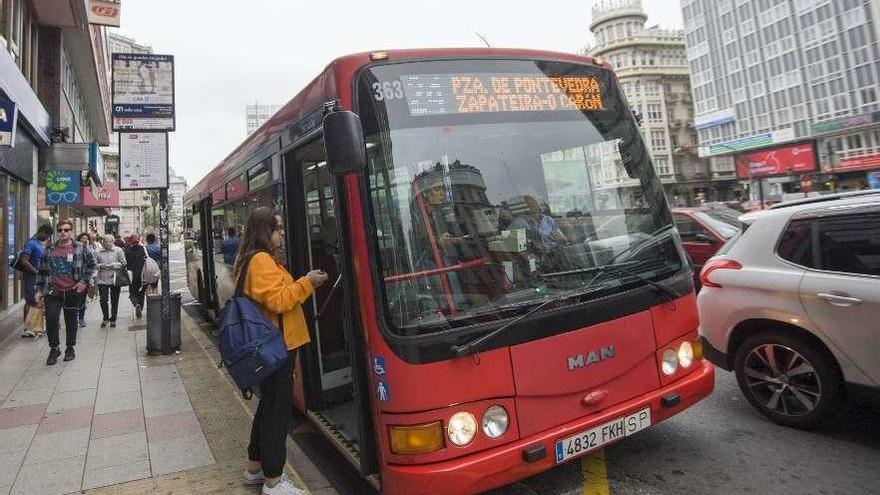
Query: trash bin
<point x="159" y="342"/>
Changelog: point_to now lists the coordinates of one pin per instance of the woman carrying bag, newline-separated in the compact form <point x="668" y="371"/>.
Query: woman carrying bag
<point x="112" y="276"/>
<point x="268" y="284"/>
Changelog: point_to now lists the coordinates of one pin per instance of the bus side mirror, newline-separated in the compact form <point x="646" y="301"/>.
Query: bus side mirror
<point x="344" y="143"/>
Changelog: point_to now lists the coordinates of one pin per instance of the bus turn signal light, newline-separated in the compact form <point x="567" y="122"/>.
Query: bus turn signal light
<point x="416" y="439"/>
<point x="719" y="264"/>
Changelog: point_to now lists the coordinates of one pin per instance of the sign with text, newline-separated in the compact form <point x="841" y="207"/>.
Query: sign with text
<point x="143" y="160"/>
<point x="781" y="160"/>
<point x="449" y="94"/>
<point x="106" y="196"/>
<point x="143" y="92"/>
<point x="62" y="187"/>
<point x="104" y="12"/>
<point x="8" y="118"/>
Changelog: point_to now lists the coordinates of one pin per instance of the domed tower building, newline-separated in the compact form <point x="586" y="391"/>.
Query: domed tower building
<point x="652" y="67"/>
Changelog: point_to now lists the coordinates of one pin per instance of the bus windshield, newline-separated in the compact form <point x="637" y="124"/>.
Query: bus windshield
<point x="496" y="184"/>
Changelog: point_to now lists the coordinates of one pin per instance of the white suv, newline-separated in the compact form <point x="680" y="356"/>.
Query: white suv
<point x="792" y="305"/>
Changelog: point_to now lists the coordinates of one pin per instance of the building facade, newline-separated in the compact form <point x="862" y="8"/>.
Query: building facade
<point x="52" y="65"/>
<point x="767" y="74"/>
<point x="258" y="114"/>
<point x="652" y="68"/>
<point x="176" y="189"/>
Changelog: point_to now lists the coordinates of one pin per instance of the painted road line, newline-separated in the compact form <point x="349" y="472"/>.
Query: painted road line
<point x="595" y="474"/>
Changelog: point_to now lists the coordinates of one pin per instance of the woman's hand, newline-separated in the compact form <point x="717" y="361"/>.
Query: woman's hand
<point x="317" y="277"/>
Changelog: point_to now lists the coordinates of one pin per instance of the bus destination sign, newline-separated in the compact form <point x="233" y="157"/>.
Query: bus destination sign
<point x="449" y="94"/>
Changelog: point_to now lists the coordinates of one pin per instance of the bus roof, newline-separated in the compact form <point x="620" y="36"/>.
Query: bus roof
<point x="323" y="88"/>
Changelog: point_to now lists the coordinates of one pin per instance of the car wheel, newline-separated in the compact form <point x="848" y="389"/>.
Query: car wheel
<point x="787" y="379"/>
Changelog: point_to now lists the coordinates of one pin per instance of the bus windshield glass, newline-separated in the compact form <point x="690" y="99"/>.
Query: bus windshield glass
<point x="496" y="184"/>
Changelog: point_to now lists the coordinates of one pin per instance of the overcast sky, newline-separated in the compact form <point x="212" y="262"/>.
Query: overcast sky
<point x="230" y="54"/>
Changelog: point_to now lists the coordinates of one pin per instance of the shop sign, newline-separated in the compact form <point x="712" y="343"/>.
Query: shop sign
<point x="781" y="160"/>
<point x="855" y="163"/>
<point x="219" y="195"/>
<point x="106" y="196"/>
<point x="62" y="187"/>
<point x="236" y="189"/>
<point x="104" y="12"/>
<point x="747" y="143"/>
<point x="714" y="119"/>
<point x="845" y="123"/>
<point x="143" y="92"/>
<point x="8" y="118"/>
<point x="96" y="163"/>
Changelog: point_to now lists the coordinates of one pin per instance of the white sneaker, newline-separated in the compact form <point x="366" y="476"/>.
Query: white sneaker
<point x="28" y="333"/>
<point x="253" y="478"/>
<point x="284" y="487"/>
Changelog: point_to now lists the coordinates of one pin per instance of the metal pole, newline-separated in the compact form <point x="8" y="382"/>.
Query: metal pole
<point x="165" y="277"/>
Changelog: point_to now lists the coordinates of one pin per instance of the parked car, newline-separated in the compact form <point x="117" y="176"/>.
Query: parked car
<point x="703" y="230"/>
<point x="791" y="305"/>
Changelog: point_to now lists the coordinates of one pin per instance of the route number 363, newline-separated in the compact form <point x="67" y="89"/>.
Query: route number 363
<point x="389" y="90"/>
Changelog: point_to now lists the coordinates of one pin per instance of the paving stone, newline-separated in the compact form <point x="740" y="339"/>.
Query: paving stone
<point x="50" y="478"/>
<point x="179" y="454"/>
<point x="65" y="420"/>
<point x="17" y="439"/>
<point x="77" y="381"/>
<point x="10" y="463"/>
<point x="115" y="450"/>
<point x="47" y="379"/>
<point x="176" y="425"/>
<point x="167" y="404"/>
<point x="118" y="423"/>
<point x="13" y="417"/>
<point x="73" y="399"/>
<point x="28" y="396"/>
<point x="109" y="402"/>
<point x="113" y="475"/>
<point x="60" y="445"/>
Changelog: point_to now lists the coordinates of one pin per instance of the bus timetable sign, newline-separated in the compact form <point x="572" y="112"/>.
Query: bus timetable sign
<point x="143" y="92"/>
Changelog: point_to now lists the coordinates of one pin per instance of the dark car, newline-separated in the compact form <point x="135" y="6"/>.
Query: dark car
<point x="704" y="229"/>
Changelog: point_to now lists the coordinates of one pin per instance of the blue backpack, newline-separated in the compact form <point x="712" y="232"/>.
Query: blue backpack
<point x="251" y="348"/>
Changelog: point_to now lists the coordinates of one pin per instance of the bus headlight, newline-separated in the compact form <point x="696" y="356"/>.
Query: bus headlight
<point x="495" y="421"/>
<point x="461" y="428"/>
<point x="685" y="354"/>
<point x="670" y="362"/>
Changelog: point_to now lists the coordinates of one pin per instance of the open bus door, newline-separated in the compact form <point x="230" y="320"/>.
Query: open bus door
<point x="330" y="383"/>
<point x="206" y="278"/>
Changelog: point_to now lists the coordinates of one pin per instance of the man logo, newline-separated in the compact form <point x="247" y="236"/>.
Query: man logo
<point x="592" y="357"/>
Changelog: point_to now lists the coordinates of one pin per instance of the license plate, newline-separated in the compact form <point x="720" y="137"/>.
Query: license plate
<point x="594" y="438"/>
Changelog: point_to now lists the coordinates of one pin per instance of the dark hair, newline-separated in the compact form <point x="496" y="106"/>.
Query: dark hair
<point x="83" y="234"/>
<point x="230" y="231"/>
<point x="151" y="238"/>
<point x="257" y="237"/>
<point x="44" y="232"/>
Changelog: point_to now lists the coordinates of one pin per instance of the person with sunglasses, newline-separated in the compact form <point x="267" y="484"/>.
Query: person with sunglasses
<point x="71" y="272"/>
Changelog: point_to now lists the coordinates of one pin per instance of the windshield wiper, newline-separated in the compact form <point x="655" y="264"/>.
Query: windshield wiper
<point x="469" y="347"/>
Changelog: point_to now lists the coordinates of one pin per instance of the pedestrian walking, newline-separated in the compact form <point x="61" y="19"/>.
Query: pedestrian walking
<point x="86" y="241"/>
<point x="71" y="273"/>
<point x="154" y="251"/>
<point x="270" y="286"/>
<point x="230" y="246"/>
<point x="135" y="257"/>
<point x="111" y="260"/>
<point x="31" y="263"/>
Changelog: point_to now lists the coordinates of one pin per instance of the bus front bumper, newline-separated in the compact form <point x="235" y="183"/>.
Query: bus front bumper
<point x="492" y="468"/>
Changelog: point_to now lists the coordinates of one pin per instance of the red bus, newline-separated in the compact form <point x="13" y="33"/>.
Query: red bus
<point x="510" y="290"/>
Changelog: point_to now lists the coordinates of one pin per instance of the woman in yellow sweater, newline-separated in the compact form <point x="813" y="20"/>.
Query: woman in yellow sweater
<point x="270" y="285"/>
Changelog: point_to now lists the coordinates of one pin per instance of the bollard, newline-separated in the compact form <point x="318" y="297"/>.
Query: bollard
<point x="157" y="342"/>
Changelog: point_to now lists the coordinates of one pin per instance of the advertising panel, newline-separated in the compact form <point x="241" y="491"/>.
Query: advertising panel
<point x="143" y="160"/>
<point x="143" y="92"/>
<point x="781" y="160"/>
<point x="62" y="187"/>
<point x="236" y="189"/>
<point x="8" y="117"/>
<point x="106" y="196"/>
<point x="104" y="12"/>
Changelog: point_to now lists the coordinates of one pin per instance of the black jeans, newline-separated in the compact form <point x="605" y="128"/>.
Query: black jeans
<point x="136" y="293"/>
<point x="113" y="292"/>
<point x="272" y="420"/>
<point x="68" y="302"/>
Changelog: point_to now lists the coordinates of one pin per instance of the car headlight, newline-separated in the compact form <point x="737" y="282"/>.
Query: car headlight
<point x="670" y="362"/>
<point x="685" y="354"/>
<point x="461" y="428"/>
<point x="495" y="421"/>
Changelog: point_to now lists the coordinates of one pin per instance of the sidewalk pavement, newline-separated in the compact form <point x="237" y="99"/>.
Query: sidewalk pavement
<point x="116" y="421"/>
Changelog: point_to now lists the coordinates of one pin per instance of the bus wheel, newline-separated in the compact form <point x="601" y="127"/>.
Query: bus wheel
<point x="787" y="379"/>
